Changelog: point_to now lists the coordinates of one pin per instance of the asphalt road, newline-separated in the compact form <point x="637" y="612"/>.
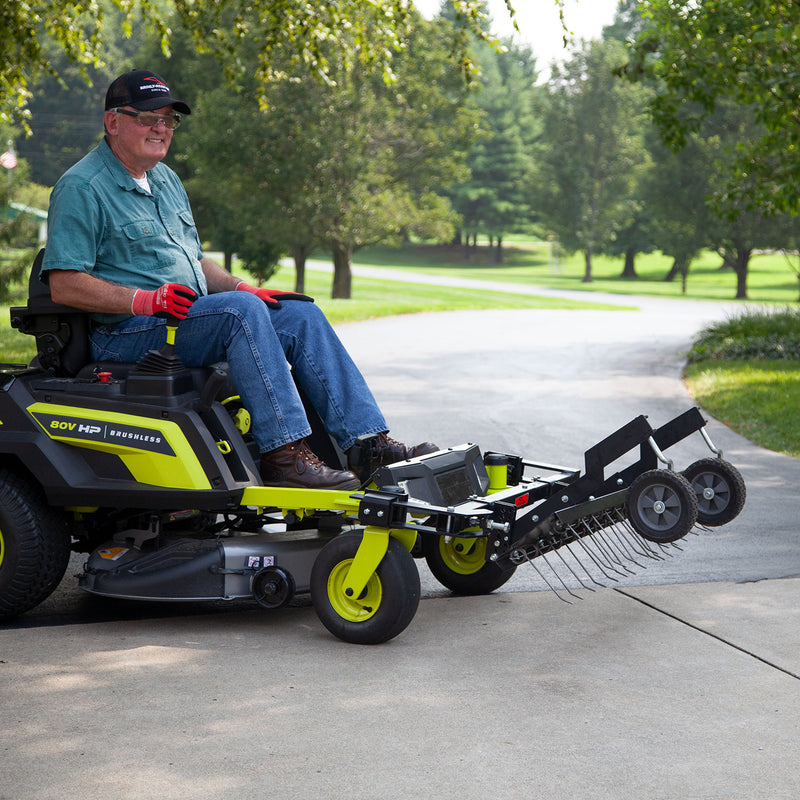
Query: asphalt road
<point x="545" y="385"/>
<point x="549" y="384"/>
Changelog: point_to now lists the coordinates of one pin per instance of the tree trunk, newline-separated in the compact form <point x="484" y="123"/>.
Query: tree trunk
<point x="300" y="253"/>
<point x="499" y="257"/>
<point x="629" y="270"/>
<point x="587" y="275"/>
<point x="741" y="266"/>
<point x="673" y="272"/>
<point x="228" y="261"/>
<point x="342" y="274"/>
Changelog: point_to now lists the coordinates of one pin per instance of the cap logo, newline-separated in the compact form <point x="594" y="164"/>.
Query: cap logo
<point x="154" y="85"/>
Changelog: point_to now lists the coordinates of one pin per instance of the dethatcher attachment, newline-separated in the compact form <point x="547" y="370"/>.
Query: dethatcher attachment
<point x="575" y="530"/>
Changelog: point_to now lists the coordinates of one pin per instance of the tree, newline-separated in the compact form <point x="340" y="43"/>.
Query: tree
<point x="340" y="165"/>
<point x="18" y="229"/>
<point x="494" y="200"/>
<point x="737" y="229"/>
<point x="674" y="192"/>
<point x="31" y="31"/>
<point x="592" y="150"/>
<point x="697" y="53"/>
<point x="66" y="112"/>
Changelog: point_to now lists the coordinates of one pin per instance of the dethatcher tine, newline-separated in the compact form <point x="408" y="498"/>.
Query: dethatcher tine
<point x="149" y="468"/>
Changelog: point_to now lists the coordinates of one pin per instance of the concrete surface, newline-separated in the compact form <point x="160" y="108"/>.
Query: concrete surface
<point x="661" y="692"/>
<point x="683" y="682"/>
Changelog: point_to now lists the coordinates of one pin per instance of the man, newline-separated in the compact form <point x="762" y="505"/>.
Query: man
<point x="122" y="244"/>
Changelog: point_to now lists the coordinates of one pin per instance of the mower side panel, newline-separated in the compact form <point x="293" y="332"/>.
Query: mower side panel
<point x="113" y="450"/>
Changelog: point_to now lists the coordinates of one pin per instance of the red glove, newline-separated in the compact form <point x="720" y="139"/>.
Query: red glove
<point x="272" y="296"/>
<point x="169" y="300"/>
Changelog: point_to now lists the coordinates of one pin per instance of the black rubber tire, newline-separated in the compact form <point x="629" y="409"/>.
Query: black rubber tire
<point x="661" y="506"/>
<point x="719" y="488"/>
<point x="393" y="591"/>
<point x="34" y="546"/>
<point x="463" y="571"/>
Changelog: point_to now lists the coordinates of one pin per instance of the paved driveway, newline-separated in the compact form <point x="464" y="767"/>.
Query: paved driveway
<point x="549" y="384"/>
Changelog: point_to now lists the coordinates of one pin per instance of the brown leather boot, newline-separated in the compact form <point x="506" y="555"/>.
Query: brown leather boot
<point x="390" y="450"/>
<point x="295" y="466"/>
<point x="384" y="450"/>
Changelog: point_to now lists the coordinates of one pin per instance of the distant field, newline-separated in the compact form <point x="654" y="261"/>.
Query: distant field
<point x="771" y="279"/>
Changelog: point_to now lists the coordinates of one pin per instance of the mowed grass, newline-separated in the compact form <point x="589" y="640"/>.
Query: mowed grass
<point x="372" y="298"/>
<point x="772" y="278"/>
<point x="758" y="399"/>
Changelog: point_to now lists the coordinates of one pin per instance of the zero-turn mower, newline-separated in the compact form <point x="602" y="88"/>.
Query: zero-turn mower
<point x="149" y="469"/>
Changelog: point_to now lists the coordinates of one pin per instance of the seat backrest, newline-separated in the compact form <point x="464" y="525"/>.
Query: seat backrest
<point x="61" y="332"/>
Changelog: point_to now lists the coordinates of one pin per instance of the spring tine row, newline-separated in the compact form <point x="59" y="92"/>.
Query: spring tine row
<point x="574" y="574"/>
<point x="604" y="542"/>
<point x="596" y="561"/>
<point x="550" y="585"/>
<point x="601" y="551"/>
<point x="624" y="530"/>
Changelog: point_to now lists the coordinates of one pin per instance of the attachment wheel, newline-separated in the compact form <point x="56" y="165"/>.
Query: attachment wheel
<point x="719" y="488"/>
<point x="661" y="506"/>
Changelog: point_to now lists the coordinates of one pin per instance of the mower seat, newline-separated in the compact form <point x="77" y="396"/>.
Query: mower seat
<point x="63" y="350"/>
<point x="62" y="332"/>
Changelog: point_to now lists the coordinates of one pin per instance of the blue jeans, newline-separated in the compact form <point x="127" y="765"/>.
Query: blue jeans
<point x="259" y="344"/>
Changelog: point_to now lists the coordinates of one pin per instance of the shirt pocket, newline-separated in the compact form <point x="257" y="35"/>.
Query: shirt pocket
<point x="145" y="241"/>
<point x="189" y="232"/>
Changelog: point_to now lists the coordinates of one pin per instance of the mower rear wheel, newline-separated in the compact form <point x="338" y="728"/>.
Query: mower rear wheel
<point x="460" y="564"/>
<point x="661" y="506"/>
<point x="385" y="607"/>
<point x="719" y="488"/>
<point x="34" y="546"/>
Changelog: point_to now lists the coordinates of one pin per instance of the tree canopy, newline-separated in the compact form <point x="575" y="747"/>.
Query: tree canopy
<point x="290" y="33"/>
<point x="697" y="53"/>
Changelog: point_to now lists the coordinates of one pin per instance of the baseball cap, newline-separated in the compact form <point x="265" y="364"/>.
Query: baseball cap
<point x="144" y="90"/>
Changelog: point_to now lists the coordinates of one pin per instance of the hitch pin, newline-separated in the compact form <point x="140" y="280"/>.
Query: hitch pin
<point x="502" y="527"/>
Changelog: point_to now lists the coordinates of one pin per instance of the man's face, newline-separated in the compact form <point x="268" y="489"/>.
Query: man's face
<point x="138" y="147"/>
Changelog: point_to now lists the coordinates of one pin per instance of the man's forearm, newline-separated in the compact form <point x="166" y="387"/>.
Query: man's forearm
<point x="88" y="293"/>
<point x="217" y="278"/>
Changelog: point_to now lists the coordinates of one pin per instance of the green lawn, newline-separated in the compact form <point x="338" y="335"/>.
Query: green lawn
<point x="379" y="298"/>
<point x="771" y="278"/>
<point x="371" y="298"/>
<point x="758" y="399"/>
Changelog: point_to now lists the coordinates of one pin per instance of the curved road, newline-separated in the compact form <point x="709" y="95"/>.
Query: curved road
<point x="546" y="385"/>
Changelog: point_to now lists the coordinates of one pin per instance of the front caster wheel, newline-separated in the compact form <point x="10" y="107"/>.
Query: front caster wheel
<point x="460" y="564"/>
<point x="385" y="607"/>
<point x="661" y="506"/>
<point x="719" y="488"/>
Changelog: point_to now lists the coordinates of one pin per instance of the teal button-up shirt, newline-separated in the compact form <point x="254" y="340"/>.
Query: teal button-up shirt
<point x="101" y="222"/>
